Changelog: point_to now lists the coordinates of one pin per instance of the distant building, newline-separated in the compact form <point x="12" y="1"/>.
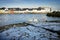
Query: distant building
<point x="2" y="10"/>
<point x="23" y="10"/>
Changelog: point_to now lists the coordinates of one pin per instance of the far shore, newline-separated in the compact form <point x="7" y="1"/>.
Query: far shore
<point x="27" y="13"/>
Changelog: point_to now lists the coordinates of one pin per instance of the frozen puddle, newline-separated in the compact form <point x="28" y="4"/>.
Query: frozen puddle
<point x="28" y="33"/>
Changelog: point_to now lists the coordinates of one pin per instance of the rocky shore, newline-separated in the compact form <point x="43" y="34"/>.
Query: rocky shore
<point x="54" y="14"/>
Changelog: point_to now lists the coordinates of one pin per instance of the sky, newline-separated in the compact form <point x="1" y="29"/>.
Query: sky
<point x="54" y="4"/>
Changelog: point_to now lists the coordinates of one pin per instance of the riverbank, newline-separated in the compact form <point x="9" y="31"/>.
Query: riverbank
<point x="54" y="14"/>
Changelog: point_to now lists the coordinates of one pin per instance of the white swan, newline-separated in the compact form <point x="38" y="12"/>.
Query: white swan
<point x="33" y="20"/>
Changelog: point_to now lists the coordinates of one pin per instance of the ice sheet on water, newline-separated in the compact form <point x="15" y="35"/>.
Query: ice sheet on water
<point x="27" y="33"/>
<point x="53" y="26"/>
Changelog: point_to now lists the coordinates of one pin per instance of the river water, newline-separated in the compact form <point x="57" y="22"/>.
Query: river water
<point x="36" y="19"/>
<point x="6" y="19"/>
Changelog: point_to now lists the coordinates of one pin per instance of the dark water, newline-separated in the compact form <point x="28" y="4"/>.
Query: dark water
<point x="18" y="18"/>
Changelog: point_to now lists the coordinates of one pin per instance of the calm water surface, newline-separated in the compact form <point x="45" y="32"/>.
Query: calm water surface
<point x="18" y="18"/>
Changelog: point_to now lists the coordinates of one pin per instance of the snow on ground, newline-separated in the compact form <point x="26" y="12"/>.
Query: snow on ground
<point x="27" y="33"/>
